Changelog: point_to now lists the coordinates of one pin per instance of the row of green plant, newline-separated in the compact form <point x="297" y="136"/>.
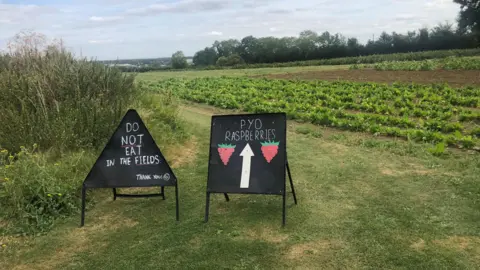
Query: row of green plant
<point x="57" y="113"/>
<point x="427" y="113"/>
<point x="449" y="63"/>
<point x="358" y="60"/>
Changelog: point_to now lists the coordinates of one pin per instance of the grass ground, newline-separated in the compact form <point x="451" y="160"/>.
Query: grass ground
<point x="154" y="76"/>
<point x="364" y="203"/>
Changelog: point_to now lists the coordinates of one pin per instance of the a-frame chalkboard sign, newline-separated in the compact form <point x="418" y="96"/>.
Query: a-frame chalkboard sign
<point x="248" y="155"/>
<point x="131" y="158"/>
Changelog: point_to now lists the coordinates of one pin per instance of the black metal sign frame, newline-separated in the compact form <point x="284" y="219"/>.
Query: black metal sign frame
<point x="114" y="187"/>
<point x="286" y="168"/>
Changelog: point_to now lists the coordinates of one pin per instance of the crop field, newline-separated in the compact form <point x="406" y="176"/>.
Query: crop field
<point x="449" y="63"/>
<point x="410" y="99"/>
<point x="267" y="71"/>
<point x="432" y="114"/>
<point x="455" y="75"/>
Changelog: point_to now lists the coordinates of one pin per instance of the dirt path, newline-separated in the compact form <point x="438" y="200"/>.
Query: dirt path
<point x="456" y="78"/>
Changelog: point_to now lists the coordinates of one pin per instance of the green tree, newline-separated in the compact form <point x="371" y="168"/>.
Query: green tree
<point x="226" y="47"/>
<point x="230" y="61"/>
<point x="309" y="45"/>
<point x="179" y="60"/>
<point x="222" y="61"/>
<point x="205" y="57"/>
<point x="469" y="16"/>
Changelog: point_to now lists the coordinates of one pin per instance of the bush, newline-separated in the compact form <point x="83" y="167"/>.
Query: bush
<point x="179" y="61"/>
<point x="222" y="61"/>
<point x="35" y="191"/>
<point x="55" y="100"/>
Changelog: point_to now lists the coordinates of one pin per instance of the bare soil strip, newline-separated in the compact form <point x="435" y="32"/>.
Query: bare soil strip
<point x="455" y="78"/>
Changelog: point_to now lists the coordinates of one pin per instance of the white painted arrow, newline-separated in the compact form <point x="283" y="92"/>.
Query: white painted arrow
<point x="247" y="155"/>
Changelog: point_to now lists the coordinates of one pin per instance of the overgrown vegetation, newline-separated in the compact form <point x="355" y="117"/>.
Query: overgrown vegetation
<point x="53" y="99"/>
<point x="433" y="114"/>
<point x="449" y="63"/>
<point x="37" y="188"/>
<point x="57" y="113"/>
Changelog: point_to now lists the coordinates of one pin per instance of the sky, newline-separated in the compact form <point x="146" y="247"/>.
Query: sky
<point x="126" y="29"/>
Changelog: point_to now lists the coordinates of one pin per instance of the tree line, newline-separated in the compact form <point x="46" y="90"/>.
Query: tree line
<point x="311" y="45"/>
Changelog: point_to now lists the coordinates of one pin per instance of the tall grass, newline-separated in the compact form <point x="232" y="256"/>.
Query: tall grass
<point x="63" y="110"/>
<point x="49" y="97"/>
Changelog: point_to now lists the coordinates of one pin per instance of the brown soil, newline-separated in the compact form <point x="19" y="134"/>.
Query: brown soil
<point x="456" y="78"/>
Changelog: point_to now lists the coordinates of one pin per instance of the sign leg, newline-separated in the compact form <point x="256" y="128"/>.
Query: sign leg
<point x="163" y="191"/>
<point x="207" y="206"/>
<point x="226" y="197"/>
<point x="176" y="201"/>
<point x="114" y="194"/>
<point x="82" y="221"/>
<point x="284" y="208"/>
<point x="291" y="183"/>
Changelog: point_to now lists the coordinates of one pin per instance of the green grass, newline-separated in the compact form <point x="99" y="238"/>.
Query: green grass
<point x="364" y="202"/>
<point x="159" y="75"/>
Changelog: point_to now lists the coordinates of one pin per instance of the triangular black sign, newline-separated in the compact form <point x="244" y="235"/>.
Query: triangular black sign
<point x="131" y="158"/>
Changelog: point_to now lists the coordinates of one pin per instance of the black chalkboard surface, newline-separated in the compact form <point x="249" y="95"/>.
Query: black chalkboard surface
<point x="131" y="158"/>
<point x="247" y="155"/>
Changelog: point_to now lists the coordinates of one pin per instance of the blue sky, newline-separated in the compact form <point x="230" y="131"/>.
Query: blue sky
<point x="110" y="29"/>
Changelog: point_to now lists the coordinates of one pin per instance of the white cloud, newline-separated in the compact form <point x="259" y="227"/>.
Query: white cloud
<point x="215" y="33"/>
<point x="105" y="19"/>
<point x="405" y="17"/>
<point x="100" y="41"/>
<point x="153" y="28"/>
<point x="185" y="6"/>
